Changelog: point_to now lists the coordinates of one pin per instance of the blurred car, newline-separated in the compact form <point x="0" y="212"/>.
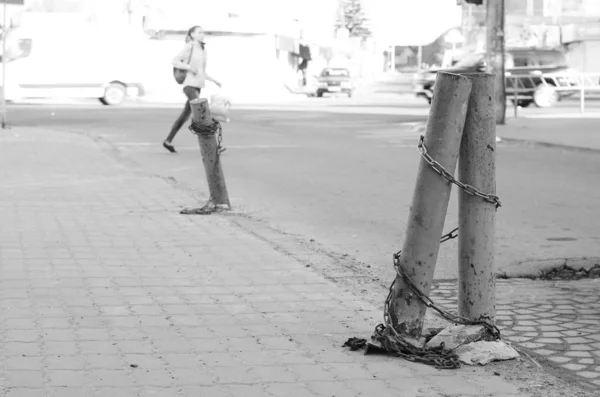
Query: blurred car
<point x="80" y="67"/>
<point x="333" y="81"/>
<point x="524" y="70"/>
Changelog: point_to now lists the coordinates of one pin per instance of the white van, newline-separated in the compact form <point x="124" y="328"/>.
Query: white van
<point x="73" y="63"/>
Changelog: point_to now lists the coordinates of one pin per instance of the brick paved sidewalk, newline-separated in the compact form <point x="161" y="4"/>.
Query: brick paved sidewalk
<point x="105" y="290"/>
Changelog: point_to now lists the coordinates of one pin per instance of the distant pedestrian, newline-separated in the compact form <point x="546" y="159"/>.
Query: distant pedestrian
<point x="192" y="60"/>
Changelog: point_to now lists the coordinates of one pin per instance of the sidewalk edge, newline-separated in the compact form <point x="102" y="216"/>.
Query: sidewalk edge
<point x="549" y="145"/>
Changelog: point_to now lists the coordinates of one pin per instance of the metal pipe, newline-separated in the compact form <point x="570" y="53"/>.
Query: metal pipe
<point x="477" y="168"/>
<point x="209" y="148"/>
<point x="430" y="202"/>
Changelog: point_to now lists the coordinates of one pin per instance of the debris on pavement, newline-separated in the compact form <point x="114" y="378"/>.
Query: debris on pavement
<point x="567" y="272"/>
<point x="457" y="335"/>
<point x="483" y="352"/>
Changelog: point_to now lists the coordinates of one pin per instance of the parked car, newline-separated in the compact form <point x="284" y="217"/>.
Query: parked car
<point x="524" y="69"/>
<point x="333" y="81"/>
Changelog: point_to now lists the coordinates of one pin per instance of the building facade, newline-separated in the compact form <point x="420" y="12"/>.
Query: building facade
<point x="573" y="25"/>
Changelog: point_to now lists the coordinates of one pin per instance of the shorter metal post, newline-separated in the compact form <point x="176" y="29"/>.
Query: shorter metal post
<point x="209" y="137"/>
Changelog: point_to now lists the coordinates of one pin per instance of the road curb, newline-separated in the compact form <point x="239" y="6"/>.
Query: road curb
<point x="549" y="145"/>
<point x="534" y="268"/>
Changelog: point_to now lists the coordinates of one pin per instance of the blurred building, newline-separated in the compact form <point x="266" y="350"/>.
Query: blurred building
<point x="414" y="32"/>
<point x="570" y="24"/>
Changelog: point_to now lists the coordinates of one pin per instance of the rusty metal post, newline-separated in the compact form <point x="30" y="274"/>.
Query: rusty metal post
<point x="430" y="202"/>
<point x="209" y="148"/>
<point x="477" y="168"/>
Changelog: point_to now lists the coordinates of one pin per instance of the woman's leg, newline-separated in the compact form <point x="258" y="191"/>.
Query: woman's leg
<point x="191" y="93"/>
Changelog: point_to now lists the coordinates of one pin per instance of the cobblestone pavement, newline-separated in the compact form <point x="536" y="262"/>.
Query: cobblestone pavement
<point x="557" y="320"/>
<point x="106" y="291"/>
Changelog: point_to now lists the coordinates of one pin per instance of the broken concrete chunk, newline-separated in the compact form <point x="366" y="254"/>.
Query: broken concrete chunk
<point x="456" y="335"/>
<point x="483" y="352"/>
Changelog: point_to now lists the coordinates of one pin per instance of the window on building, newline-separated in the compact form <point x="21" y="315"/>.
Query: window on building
<point x="522" y="61"/>
<point x="552" y="59"/>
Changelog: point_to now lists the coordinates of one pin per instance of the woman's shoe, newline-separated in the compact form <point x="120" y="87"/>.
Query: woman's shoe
<point x="169" y="147"/>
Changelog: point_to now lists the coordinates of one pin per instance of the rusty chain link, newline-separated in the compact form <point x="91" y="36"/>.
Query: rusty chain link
<point x="437" y="167"/>
<point x="389" y="339"/>
<point x="395" y="344"/>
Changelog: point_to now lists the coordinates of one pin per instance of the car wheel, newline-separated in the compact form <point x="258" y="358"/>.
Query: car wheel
<point x="522" y="102"/>
<point x="350" y="94"/>
<point x="320" y="94"/>
<point x="545" y="96"/>
<point x="114" y="94"/>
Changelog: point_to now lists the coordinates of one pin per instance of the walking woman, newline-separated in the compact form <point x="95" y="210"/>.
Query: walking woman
<point x="192" y="59"/>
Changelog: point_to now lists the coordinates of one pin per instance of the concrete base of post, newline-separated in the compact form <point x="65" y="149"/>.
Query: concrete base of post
<point x="210" y="149"/>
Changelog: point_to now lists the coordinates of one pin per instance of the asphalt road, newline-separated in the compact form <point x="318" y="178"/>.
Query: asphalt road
<point x="343" y="173"/>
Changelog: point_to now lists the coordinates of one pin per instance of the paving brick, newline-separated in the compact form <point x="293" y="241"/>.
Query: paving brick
<point x="22" y="349"/>
<point x="559" y="359"/>
<point x="160" y="392"/>
<point x="25" y="392"/>
<point x="174" y="360"/>
<point x="238" y="375"/>
<point x="205" y="391"/>
<point x="371" y="388"/>
<point x="29" y="363"/>
<point x="19" y="378"/>
<point x="226" y="359"/>
<point x="93" y="334"/>
<point x="133" y="347"/>
<point x="311" y="372"/>
<point x="209" y="345"/>
<point x="58" y="362"/>
<point x="330" y="389"/>
<point x="98" y="347"/>
<point x="67" y="378"/>
<point x="110" y="378"/>
<point x="22" y="335"/>
<point x="578" y="354"/>
<point x="573" y="367"/>
<point x="246" y="391"/>
<point x="268" y="374"/>
<point x="165" y="346"/>
<point x="289" y="390"/>
<point x="152" y="377"/>
<point x="277" y="343"/>
<point x="194" y="376"/>
<point x="59" y="348"/>
<point x="143" y="361"/>
<point x="20" y="323"/>
<point x="58" y="335"/>
<point x="115" y="392"/>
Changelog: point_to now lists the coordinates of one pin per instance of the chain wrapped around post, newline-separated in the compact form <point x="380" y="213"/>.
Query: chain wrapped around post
<point x="389" y="340"/>
<point x="437" y="167"/>
<point x="207" y="130"/>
